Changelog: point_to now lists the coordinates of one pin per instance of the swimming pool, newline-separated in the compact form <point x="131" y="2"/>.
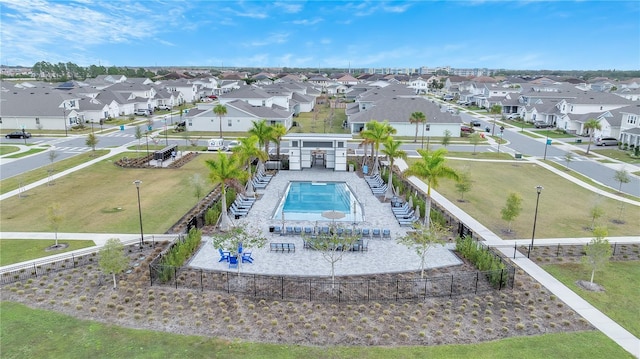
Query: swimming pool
<point x="307" y="201"/>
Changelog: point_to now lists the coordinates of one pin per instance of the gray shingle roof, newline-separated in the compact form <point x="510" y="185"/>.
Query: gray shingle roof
<point x="399" y="109"/>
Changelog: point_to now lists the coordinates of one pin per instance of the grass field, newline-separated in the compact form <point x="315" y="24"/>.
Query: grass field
<point x="13" y="183"/>
<point x="20" y="250"/>
<point x="102" y="198"/>
<point x="616" y="154"/>
<point x="5" y="150"/>
<point x="30" y="152"/>
<point x="621" y="281"/>
<point x="32" y="333"/>
<point x="564" y="208"/>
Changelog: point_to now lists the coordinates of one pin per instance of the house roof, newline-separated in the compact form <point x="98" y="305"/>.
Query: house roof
<point x="247" y="92"/>
<point x="399" y="110"/>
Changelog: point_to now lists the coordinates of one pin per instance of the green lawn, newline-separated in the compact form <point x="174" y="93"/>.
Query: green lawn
<point x="102" y="198"/>
<point x="33" y="333"/>
<point x="564" y="208"/>
<point x="20" y="250"/>
<point x="620" y="300"/>
<point x="617" y="154"/>
<point x="13" y="183"/>
<point x="30" y="152"/>
<point x="8" y="149"/>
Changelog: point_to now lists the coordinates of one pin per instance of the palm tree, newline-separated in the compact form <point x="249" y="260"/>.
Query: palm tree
<point x="364" y="144"/>
<point x="417" y="118"/>
<point x="377" y="133"/>
<point x="263" y="131"/>
<point x="220" y="110"/>
<point x="226" y="171"/>
<point x="430" y="169"/>
<point x="495" y="110"/>
<point x="277" y="132"/>
<point x="591" y="126"/>
<point x="392" y="151"/>
<point x="247" y="150"/>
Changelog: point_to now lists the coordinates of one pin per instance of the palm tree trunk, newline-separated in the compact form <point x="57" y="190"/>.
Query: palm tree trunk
<point x="389" y="193"/>
<point x="225" y="221"/>
<point x="427" y="211"/>
<point x="220" y="126"/>
<point x="114" y="280"/>
<point x="415" y="138"/>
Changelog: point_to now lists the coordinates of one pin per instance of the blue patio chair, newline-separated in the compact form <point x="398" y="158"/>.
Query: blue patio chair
<point x="376" y="232"/>
<point x="233" y="262"/>
<point x="224" y="256"/>
<point x="308" y="230"/>
<point x="386" y="233"/>
<point x="348" y="232"/>
<point x="357" y="232"/>
<point x="277" y="230"/>
<point x="366" y="232"/>
<point x="297" y="231"/>
<point x="340" y="231"/>
<point x="324" y="230"/>
<point x="246" y="257"/>
<point x="288" y="230"/>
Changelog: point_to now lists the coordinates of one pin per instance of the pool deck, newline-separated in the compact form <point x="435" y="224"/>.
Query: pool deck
<point x="382" y="256"/>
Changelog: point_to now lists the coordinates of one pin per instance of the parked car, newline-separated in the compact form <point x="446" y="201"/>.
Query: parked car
<point x="142" y="112"/>
<point x="475" y="123"/>
<point x="231" y="145"/>
<point x="447" y="97"/>
<point x="164" y="107"/>
<point x="513" y="116"/>
<point x="466" y="129"/>
<point x="607" y="141"/>
<point x="542" y="124"/>
<point x="215" y="144"/>
<point x="18" y="134"/>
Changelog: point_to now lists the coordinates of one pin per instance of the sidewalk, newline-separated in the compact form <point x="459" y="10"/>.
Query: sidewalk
<point x="607" y="326"/>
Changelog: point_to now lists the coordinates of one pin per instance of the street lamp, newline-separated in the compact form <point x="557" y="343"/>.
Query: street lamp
<point x="535" y="219"/>
<point x="138" y="183"/>
<point x="546" y="144"/>
<point x="64" y="118"/>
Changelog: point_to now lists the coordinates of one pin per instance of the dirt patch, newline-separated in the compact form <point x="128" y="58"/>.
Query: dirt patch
<point x="56" y="247"/>
<point x="85" y="292"/>
<point x="593" y="287"/>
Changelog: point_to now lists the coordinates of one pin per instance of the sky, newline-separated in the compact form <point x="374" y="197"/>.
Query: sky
<point x="531" y="35"/>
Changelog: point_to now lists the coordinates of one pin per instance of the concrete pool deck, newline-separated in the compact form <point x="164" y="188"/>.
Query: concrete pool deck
<point x="382" y="256"/>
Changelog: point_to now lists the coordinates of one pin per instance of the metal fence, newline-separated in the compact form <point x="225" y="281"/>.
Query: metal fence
<point x="324" y="289"/>
<point x="568" y="250"/>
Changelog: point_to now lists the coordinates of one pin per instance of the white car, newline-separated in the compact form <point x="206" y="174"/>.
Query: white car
<point x="231" y="145"/>
<point x="142" y="112"/>
<point x="216" y="144"/>
<point x="513" y="116"/>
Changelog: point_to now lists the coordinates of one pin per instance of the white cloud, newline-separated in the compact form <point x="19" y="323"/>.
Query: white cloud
<point x="307" y="22"/>
<point x="273" y="38"/>
<point x="288" y="7"/>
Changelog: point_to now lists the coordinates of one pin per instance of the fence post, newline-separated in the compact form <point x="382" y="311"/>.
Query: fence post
<point x="397" y="284"/>
<point x="228" y="284"/>
<point x="515" y="249"/>
<point x="477" y="277"/>
<point x="309" y="289"/>
<point x="35" y="270"/>
<point x="175" y="276"/>
<point x="282" y="288"/>
<point x="558" y="250"/>
<point x="73" y="259"/>
<point x="501" y="272"/>
<point x="615" y="244"/>
<point x="368" y="290"/>
<point x="451" y="291"/>
<point x="201" y="287"/>
<point x="255" y="288"/>
<point x="425" y="287"/>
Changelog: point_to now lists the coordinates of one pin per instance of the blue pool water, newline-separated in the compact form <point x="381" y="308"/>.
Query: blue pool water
<point x="309" y="200"/>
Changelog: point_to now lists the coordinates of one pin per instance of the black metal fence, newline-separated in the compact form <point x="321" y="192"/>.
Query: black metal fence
<point x="324" y="289"/>
<point x="570" y="250"/>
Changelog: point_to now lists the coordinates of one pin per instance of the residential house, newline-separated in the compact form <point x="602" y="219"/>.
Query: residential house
<point x="239" y="118"/>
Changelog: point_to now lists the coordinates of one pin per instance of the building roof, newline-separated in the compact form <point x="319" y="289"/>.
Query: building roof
<point x="399" y="110"/>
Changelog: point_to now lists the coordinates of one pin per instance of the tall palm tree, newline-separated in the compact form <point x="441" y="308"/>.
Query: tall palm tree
<point x="591" y="126"/>
<point x="220" y="110"/>
<point x="247" y="150"/>
<point x="263" y="131"/>
<point x="377" y="133"/>
<point x="430" y="169"/>
<point x="392" y="151"/>
<point x="226" y="171"/>
<point x="364" y="144"/>
<point x="277" y="132"/>
<point x="417" y="118"/>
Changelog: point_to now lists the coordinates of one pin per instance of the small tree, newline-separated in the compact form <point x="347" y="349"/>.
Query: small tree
<point x="113" y="260"/>
<point x="332" y="247"/>
<point x="464" y="183"/>
<point x="598" y="252"/>
<point x="475" y="139"/>
<point x="53" y="154"/>
<point x="596" y="212"/>
<point x="512" y="209"/>
<point x="138" y="135"/>
<point x="622" y="176"/>
<point x="422" y="239"/>
<point x="236" y="237"/>
<point x="446" y="140"/>
<point x="198" y="185"/>
<point x="591" y="126"/>
<point x="55" y="217"/>
<point x="92" y="141"/>
<point x="568" y="157"/>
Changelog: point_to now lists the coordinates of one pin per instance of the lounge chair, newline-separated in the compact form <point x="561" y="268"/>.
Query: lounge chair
<point x="246" y="257"/>
<point x="239" y="209"/>
<point x="224" y="256"/>
<point x="308" y="230"/>
<point x="340" y="231"/>
<point x="324" y="230"/>
<point x="233" y="262"/>
<point x="259" y="185"/>
<point x="297" y="231"/>
<point x="366" y="232"/>
<point x="386" y="233"/>
<point x="376" y="232"/>
<point x="348" y="232"/>
<point x="288" y="230"/>
<point x="277" y="230"/>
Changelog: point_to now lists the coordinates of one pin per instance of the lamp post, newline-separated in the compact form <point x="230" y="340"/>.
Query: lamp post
<point x="138" y="183"/>
<point x="535" y="219"/>
<point x="64" y="118"/>
<point x="428" y="128"/>
<point x="146" y="135"/>
<point x="546" y="144"/>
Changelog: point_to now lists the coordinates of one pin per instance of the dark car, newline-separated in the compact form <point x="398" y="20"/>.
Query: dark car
<point x="475" y="123"/>
<point x="18" y="134"/>
<point x="466" y="129"/>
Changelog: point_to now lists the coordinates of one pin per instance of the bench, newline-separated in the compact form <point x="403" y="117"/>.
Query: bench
<point x="165" y="153"/>
<point x="282" y="247"/>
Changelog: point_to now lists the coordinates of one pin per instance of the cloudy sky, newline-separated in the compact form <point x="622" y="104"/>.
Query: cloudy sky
<point x="531" y="34"/>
